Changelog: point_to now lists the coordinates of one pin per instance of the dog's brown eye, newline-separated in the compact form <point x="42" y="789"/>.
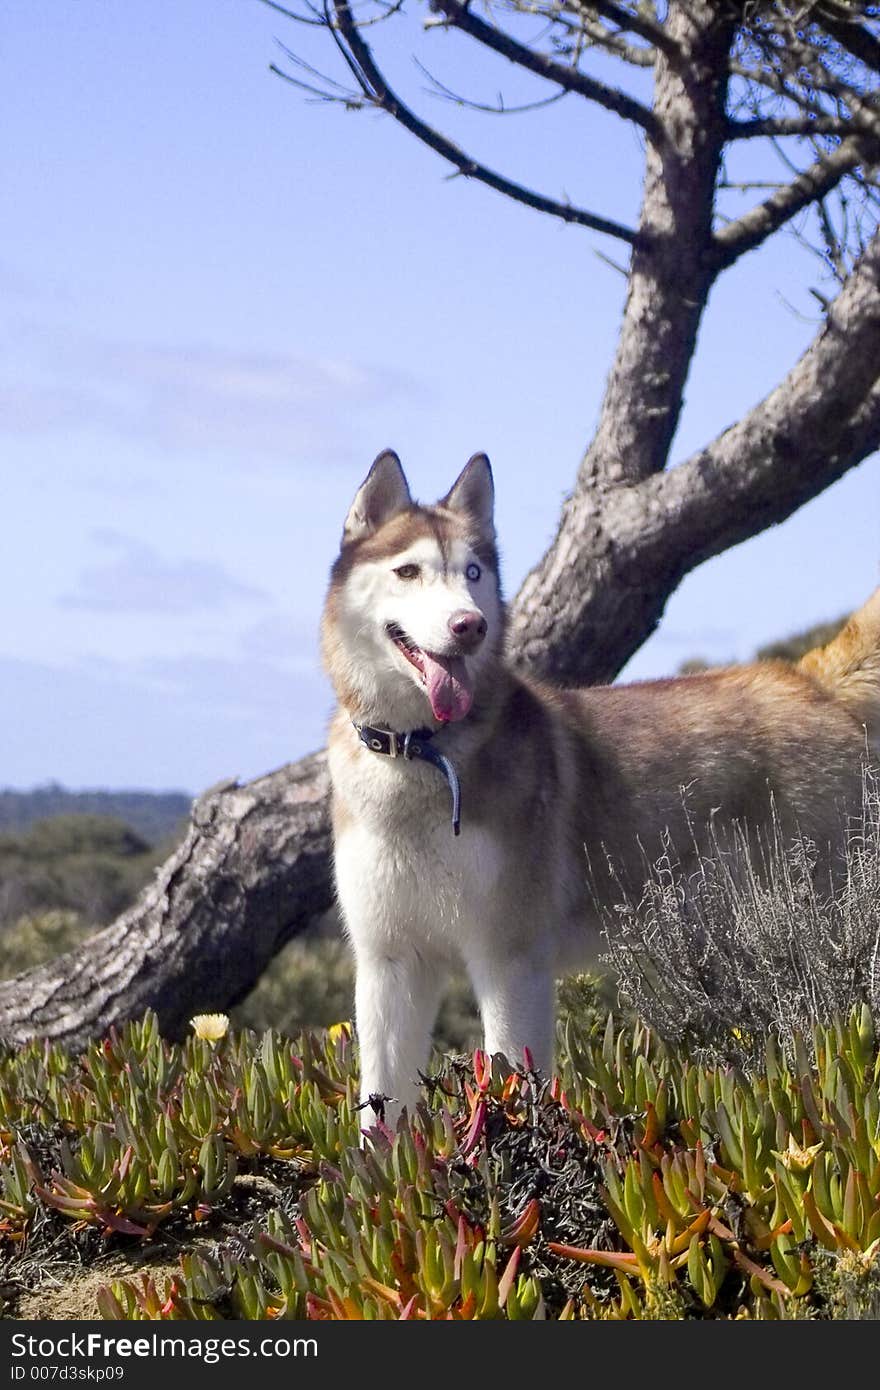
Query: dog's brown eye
<point x="407" y="571"/>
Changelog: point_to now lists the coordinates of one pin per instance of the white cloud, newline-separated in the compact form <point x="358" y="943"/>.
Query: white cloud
<point x="139" y="580"/>
<point x="255" y="405"/>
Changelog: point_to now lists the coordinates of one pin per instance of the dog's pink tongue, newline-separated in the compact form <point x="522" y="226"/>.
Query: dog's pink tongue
<point x="449" y="688"/>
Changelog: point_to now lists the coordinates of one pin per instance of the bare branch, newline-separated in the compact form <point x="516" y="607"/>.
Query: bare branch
<point x="792" y="68"/>
<point x="585" y="33"/>
<point x="571" y="79"/>
<point x="440" y="89"/>
<point x="631" y="23"/>
<point x="835" y="243"/>
<point x="253" y="870"/>
<point x="861" y="43"/>
<point x="376" y="90"/>
<point x="780" y="126"/>
<point x="318" y="19"/>
<point x="612" y="42"/>
<point x="715" y="503"/>
<point x="351" y="100"/>
<point x="863" y="113"/>
<point x="762" y="221"/>
<point x="336" y="90"/>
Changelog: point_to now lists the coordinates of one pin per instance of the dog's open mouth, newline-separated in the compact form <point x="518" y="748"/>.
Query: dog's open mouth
<point x="446" y="679"/>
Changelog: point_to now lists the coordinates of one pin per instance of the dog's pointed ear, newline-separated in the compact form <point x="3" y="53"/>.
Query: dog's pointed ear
<point x="473" y="492"/>
<point x="383" y="493"/>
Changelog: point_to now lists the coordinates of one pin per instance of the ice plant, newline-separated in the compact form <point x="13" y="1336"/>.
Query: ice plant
<point x="639" y="1184"/>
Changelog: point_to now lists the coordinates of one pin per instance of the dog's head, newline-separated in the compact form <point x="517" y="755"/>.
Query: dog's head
<point x="414" y="612"/>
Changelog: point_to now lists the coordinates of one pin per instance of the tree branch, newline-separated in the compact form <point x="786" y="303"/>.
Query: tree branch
<point x="440" y="89"/>
<point x="713" y="504"/>
<point x="612" y="41"/>
<point x="571" y="79"/>
<point x="794" y="71"/>
<point x="624" y="545"/>
<point x="638" y="24"/>
<point x="362" y="64"/>
<point x="821" y="420"/>
<point x="861" y="43"/>
<point x="864" y="113"/>
<point x="780" y="126"/>
<point x="762" y="221"/>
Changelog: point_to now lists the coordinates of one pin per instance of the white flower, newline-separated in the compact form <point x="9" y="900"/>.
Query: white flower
<point x="211" y="1027"/>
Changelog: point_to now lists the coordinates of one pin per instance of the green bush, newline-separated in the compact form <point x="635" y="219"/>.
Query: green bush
<point x="90" y="865"/>
<point x="39" y="937"/>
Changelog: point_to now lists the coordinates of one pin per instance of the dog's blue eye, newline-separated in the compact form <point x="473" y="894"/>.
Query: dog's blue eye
<point x="407" y="571"/>
<point x="473" y="572"/>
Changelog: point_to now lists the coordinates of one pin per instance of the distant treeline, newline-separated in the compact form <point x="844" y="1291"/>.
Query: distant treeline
<point x="153" y="815"/>
<point x="64" y="876"/>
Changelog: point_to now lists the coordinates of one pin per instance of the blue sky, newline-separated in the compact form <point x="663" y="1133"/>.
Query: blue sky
<point x="221" y="301"/>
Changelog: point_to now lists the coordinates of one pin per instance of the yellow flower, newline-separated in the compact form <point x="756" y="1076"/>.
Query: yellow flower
<point x="795" y="1158"/>
<point x="339" y="1030"/>
<point x="211" y="1027"/>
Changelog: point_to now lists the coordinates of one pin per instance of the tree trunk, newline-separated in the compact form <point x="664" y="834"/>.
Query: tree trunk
<point x="671" y="275"/>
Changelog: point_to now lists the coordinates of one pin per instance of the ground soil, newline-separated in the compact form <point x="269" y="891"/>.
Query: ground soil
<point x="58" y="1274"/>
<point x="75" y="1296"/>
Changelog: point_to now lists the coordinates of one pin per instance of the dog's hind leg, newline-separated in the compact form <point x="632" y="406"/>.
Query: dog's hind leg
<point x="516" y="995"/>
<point x="396" y="1000"/>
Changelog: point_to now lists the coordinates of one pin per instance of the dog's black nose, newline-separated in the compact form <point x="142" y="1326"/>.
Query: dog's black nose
<point x="468" y="627"/>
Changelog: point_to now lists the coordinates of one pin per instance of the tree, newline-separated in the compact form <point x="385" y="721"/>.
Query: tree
<point x="798" y="82"/>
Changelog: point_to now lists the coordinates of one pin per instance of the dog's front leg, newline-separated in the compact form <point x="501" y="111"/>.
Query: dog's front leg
<point x="516" y="995"/>
<point x="396" y="999"/>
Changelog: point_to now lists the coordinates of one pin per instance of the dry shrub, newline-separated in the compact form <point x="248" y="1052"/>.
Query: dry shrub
<point x="753" y="943"/>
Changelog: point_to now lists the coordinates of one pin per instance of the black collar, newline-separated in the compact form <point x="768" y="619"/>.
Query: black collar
<point x="415" y="744"/>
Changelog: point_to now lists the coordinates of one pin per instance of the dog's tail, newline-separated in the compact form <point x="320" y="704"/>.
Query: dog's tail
<point x="849" y="667"/>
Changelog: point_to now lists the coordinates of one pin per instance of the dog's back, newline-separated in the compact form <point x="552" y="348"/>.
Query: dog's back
<point x="848" y="669"/>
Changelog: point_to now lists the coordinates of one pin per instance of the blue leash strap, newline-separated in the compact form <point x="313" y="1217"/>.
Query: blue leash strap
<point x="415" y="744"/>
<point x="444" y="765"/>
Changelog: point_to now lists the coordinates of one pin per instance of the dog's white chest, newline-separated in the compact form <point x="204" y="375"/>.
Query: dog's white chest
<point x="400" y="870"/>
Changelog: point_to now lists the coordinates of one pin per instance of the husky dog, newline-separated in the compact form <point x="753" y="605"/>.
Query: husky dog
<point x="436" y="733"/>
